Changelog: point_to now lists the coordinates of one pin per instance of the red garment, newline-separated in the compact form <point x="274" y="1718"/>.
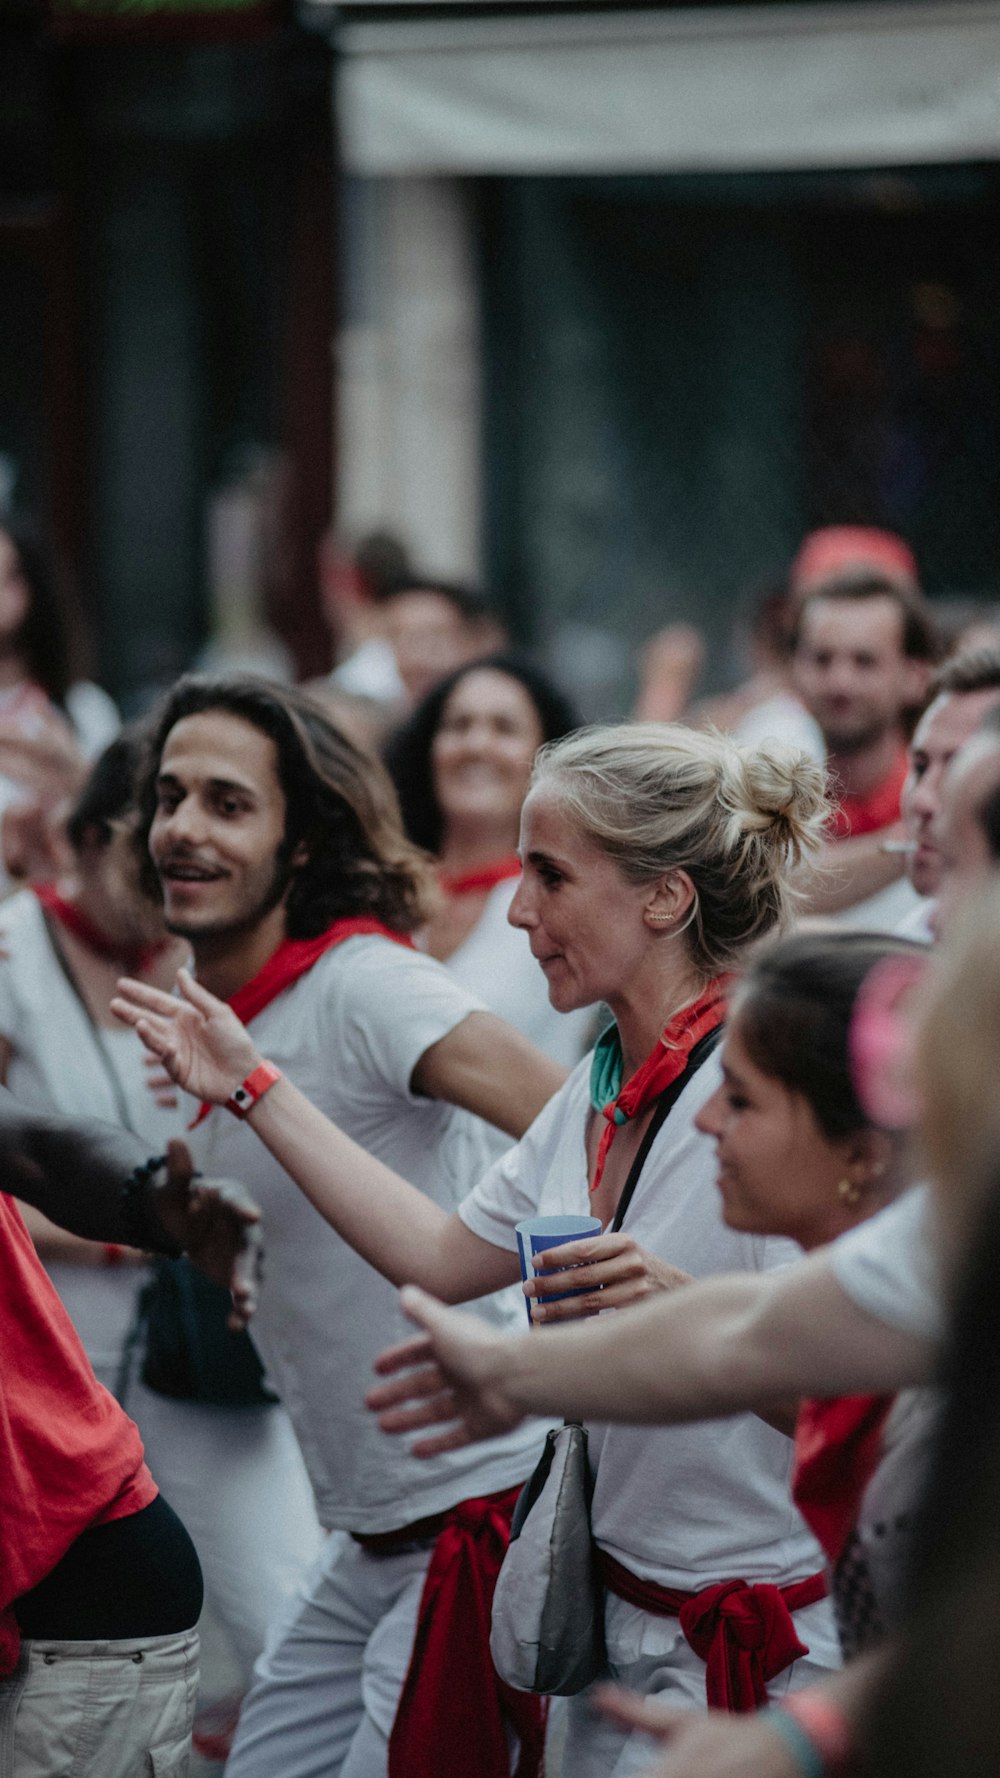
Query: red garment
<point x="665" y="1062"/>
<point x="454" y="1710"/>
<point x="867" y="814"/>
<point x="69" y="1458"/>
<point x="293" y="958"/>
<point x="838" y="1444"/>
<point x="486" y="877"/>
<point x="133" y="961"/>
<point x="835" y="548"/>
<point x="744" y="1633"/>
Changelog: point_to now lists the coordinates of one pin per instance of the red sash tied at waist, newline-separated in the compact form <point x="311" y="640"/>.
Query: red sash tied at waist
<point x="743" y="1632"/>
<point x="452" y="1697"/>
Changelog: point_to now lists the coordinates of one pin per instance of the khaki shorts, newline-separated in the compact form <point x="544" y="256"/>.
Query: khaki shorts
<point x="100" y="1709"/>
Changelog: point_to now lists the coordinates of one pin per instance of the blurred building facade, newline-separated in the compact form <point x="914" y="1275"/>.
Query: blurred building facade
<point x="695" y="279"/>
<point x="601" y="305"/>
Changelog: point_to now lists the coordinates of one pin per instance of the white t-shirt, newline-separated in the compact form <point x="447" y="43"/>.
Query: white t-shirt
<point x="685" y="1505"/>
<point x="884" y="911"/>
<point x="60" y="1063"/>
<point x="495" y="963"/>
<point x="888" y="1267"/>
<point x="349" y="1034"/>
<point x="782" y="718"/>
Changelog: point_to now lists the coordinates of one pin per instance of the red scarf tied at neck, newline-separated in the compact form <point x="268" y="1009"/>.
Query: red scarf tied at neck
<point x="487" y="876"/>
<point x="293" y="958"/>
<point x="665" y="1062"/>
<point x="132" y="959"/>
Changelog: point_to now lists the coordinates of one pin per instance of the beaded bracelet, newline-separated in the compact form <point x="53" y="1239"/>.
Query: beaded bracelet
<point x="139" y="1225"/>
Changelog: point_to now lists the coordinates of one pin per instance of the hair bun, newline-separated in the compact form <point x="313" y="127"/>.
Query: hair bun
<point x="778" y="790"/>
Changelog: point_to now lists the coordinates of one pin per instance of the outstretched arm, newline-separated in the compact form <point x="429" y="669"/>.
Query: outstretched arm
<point x="396" y="1228"/>
<point x="722" y="1346"/>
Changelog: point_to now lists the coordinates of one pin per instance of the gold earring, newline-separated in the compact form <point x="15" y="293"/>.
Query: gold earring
<point x="848" y="1192"/>
<point x="660" y="919"/>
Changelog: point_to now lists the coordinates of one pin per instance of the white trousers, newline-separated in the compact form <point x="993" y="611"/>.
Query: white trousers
<point x="651" y="1655"/>
<point x="100" y="1709"/>
<point x="236" y="1478"/>
<point x="327" y="1686"/>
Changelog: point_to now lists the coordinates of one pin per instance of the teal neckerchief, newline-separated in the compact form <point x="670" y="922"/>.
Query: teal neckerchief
<point x="606" y="1071"/>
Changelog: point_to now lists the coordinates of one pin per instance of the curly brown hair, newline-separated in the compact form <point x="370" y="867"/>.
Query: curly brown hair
<point x="339" y="804"/>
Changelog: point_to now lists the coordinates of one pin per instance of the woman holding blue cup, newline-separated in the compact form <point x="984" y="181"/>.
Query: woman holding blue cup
<point x="653" y="857"/>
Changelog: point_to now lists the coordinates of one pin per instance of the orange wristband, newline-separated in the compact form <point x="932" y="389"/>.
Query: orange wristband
<point x="254" y="1087"/>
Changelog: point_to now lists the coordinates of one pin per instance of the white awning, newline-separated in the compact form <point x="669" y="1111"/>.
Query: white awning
<point x="726" y="89"/>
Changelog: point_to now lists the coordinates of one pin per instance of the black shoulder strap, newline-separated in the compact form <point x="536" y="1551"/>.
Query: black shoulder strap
<point x="668" y="1098"/>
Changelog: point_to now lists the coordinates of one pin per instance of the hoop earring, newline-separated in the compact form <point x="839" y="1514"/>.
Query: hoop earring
<point x="659" y="919"/>
<point x="848" y="1192"/>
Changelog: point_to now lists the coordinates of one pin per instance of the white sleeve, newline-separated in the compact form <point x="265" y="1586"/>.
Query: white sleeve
<point x="512" y="1188"/>
<point x="889" y="1268"/>
<point x="394" y="1004"/>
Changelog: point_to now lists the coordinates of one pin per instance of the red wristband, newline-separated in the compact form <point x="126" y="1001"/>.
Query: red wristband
<point x="826" y="1726"/>
<point x="254" y="1087"/>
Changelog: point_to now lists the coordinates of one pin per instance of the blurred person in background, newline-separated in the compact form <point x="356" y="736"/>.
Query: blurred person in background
<point x="853" y="551"/>
<point x="864" y="650"/>
<point x="50" y="726"/>
<point x="764" y="707"/>
<point x="434" y="626"/>
<point x="353" y="584"/>
<point x="461" y="767"/>
<point x="398" y="631"/>
<point x="962" y="691"/>
<point x="967" y="827"/>
<point x="65" y="944"/>
<point x="233" y="1473"/>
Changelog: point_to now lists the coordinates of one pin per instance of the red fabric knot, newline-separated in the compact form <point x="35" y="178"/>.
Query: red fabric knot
<point x="452" y="1698"/>
<point x="745" y="1636"/>
<point x="744" y="1633"/>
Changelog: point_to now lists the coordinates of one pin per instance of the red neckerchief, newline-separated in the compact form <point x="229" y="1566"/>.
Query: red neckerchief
<point x="880" y="808"/>
<point x="744" y="1633"/>
<point x="292" y="959"/>
<point x="485" y="876"/>
<point x="667" y="1060"/>
<point x="454" y="1712"/>
<point x="838" y="1444"/>
<point x="134" y="960"/>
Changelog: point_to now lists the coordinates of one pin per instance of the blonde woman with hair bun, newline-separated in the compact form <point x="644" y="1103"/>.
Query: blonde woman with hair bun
<point x="653" y="857"/>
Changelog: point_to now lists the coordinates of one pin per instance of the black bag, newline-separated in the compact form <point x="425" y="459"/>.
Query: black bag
<point x="190" y="1353"/>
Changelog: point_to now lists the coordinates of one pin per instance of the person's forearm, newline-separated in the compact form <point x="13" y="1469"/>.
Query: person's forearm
<point x="76" y="1174"/>
<point x="656" y="1363"/>
<point x="488" y="1068"/>
<point x="396" y="1228"/>
<point x="735" y="1344"/>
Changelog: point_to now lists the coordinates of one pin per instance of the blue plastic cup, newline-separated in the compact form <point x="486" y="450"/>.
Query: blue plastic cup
<point x="537" y="1233"/>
